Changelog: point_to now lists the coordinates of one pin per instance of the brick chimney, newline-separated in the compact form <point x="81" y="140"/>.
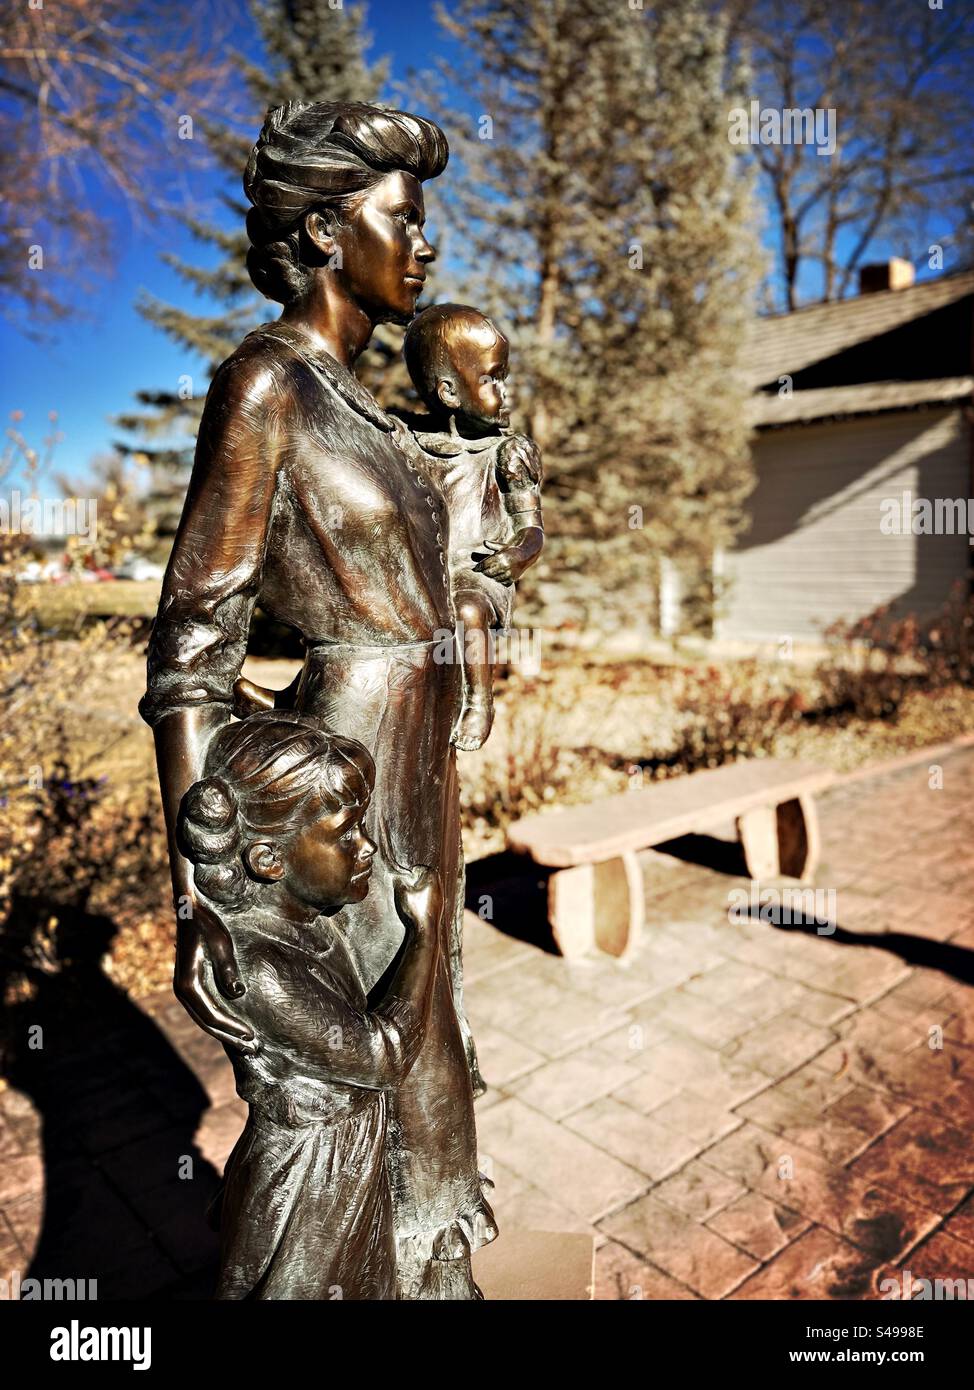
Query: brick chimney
<point x="894" y="274"/>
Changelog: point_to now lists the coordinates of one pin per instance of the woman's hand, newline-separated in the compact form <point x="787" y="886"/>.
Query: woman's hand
<point x="203" y="940"/>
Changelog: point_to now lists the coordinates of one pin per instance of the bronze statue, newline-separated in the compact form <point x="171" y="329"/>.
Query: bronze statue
<point x="303" y="497"/>
<point x="275" y="832"/>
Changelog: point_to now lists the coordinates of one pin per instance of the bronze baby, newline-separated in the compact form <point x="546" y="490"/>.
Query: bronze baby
<point x="489" y="478"/>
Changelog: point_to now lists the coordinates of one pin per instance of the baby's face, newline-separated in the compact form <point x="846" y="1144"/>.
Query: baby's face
<point x="329" y="863"/>
<point x="481" y="379"/>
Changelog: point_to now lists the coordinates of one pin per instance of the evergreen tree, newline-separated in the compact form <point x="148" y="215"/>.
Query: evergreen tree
<point x="605" y="219"/>
<point x="315" y="52"/>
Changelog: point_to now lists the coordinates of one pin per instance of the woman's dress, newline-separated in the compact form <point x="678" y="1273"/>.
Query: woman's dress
<point x="312" y="507"/>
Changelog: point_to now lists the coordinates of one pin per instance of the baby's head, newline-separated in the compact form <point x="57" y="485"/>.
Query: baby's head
<point x="281" y="802"/>
<point x="458" y="363"/>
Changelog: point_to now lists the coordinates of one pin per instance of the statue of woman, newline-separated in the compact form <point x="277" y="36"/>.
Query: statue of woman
<point x="301" y="498"/>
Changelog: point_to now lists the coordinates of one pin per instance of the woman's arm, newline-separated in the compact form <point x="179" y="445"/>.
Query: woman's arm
<point x="199" y="641"/>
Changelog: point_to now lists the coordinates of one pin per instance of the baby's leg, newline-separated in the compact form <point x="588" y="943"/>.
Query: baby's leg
<point x="475" y="613"/>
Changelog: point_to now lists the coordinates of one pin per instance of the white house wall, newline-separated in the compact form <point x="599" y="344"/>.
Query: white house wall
<point x="815" y="553"/>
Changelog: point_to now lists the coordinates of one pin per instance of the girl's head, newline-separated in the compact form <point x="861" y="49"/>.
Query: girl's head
<point x="281" y="802"/>
<point x="336" y="187"/>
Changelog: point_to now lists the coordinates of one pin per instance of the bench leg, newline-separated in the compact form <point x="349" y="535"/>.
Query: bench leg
<point x="780" y="840"/>
<point x="757" y="832"/>
<point x="597" y="907"/>
<point x="798" y="838"/>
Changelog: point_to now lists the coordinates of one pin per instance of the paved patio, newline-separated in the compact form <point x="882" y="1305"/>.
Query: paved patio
<point x="742" y="1111"/>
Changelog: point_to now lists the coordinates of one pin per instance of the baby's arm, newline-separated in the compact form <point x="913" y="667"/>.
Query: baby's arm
<point x="328" y="1038"/>
<point x="519" y="473"/>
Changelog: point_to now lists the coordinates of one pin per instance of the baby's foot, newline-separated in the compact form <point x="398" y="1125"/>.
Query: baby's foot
<point x="473" y="727"/>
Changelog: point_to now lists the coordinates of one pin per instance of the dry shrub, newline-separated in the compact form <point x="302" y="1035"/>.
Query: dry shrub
<point x="875" y="662"/>
<point x="526" y="764"/>
<point x="74" y="849"/>
<point x="728" y="712"/>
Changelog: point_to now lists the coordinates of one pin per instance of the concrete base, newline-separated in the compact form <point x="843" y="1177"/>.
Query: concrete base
<point x="536" y="1265"/>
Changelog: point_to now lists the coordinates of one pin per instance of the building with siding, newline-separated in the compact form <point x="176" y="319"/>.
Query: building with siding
<point x="862" y="414"/>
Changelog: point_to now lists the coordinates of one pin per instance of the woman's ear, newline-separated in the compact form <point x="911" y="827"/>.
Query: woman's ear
<point x="263" y="862"/>
<point x="321" y="229"/>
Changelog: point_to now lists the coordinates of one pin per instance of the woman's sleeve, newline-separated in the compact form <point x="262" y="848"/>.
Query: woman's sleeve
<point x="199" y="639"/>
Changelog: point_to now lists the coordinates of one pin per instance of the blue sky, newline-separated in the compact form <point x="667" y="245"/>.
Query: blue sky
<point x="89" y="368"/>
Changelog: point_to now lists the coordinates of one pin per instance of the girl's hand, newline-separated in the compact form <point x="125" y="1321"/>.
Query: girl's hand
<point x="502" y="564"/>
<point x="419" y="897"/>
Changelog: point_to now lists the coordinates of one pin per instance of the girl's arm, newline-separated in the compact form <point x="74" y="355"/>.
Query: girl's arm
<point x="327" y="1038"/>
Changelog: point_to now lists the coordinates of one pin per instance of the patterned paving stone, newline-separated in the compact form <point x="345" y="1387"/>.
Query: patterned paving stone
<point x="588" y="1180"/>
<point x="621" y="1275"/>
<point x="681" y="1247"/>
<point x="816" y="1265"/>
<point x="925" y="1156"/>
<point x="781" y="1045"/>
<point x="833" y="1139"/>
<point x="503" y="1058"/>
<point x="638" y="1140"/>
<point x="699" y="1191"/>
<point x="680" y="1012"/>
<point x="566" y="1022"/>
<point x="692" y="1115"/>
<point x="560" y="1088"/>
<point x="760" y="1228"/>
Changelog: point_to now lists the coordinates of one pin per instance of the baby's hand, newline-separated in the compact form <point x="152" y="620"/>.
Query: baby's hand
<point x="505" y="563"/>
<point x="419" y="897"/>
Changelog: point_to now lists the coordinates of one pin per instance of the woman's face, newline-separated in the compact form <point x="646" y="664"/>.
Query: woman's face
<point x="384" y="252"/>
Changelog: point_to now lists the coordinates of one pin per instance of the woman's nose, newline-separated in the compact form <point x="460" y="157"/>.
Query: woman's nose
<point x="368" y="848"/>
<point x="423" y="251"/>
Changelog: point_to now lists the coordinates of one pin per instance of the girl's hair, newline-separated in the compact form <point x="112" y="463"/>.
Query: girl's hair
<point x="265" y="777"/>
<point x="323" y="156"/>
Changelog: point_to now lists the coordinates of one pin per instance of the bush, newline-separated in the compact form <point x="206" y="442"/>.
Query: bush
<point x="72" y="848"/>
<point x="875" y="662"/>
<point x="731" y="712"/>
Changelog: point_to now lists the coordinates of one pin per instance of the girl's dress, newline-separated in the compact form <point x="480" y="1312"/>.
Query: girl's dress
<point x="306" y="1211"/>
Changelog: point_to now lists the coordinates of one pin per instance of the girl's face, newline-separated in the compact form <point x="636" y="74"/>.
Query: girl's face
<point x="328" y="863"/>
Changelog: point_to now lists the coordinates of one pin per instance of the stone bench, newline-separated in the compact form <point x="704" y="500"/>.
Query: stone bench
<point x="597" y="896"/>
